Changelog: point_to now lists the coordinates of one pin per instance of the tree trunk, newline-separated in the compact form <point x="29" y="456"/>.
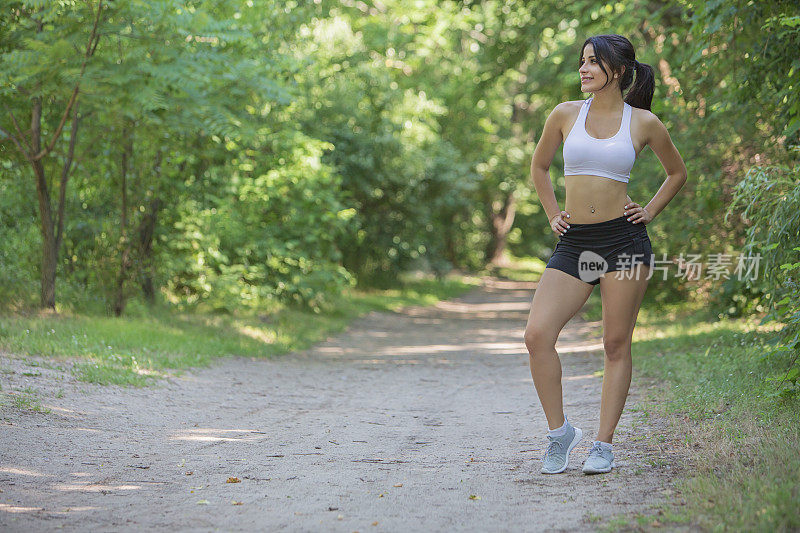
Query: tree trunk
<point x="49" y="249"/>
<point x="502" y="220"/>
<point x="147" y="229"/>
<point x="120" y="299"/>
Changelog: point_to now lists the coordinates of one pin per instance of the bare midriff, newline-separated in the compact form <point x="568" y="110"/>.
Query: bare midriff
<point x="592" y="199"/>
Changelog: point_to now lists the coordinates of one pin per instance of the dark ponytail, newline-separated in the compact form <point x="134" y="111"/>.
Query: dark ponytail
<point x="641" y="94"/>
<point x="616" y="52"/>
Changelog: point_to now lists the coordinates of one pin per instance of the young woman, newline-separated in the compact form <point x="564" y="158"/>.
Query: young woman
<point x="600" y="230"/>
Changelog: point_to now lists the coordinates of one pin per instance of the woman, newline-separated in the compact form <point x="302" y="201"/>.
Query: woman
<point x="601" y="230"/>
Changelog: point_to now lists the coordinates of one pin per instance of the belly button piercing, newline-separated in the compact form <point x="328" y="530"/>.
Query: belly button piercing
<point x="592" y="208"/>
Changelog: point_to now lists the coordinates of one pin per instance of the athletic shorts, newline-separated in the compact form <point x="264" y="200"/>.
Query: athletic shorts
<point x="587" y="251"/>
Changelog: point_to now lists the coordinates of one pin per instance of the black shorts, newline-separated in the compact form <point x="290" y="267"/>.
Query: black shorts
<point x="587" y="251"/>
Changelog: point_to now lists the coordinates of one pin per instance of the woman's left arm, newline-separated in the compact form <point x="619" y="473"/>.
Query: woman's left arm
<point x="660" y="142"/>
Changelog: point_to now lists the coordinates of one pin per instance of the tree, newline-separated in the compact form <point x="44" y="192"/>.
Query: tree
<point x="43" y="47"/>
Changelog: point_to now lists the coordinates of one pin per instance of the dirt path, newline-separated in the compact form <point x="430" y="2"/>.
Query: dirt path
<point x="420" y="420"/>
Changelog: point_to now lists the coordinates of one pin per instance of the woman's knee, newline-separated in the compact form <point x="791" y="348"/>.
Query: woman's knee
<point x="538" y="338"/>
<point x="617" y="347"/>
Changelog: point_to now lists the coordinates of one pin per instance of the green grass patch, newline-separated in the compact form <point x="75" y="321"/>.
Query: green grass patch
<point x="741" y="439"/>
<point x="26" y="399"/>
<point x="133" y="350"/>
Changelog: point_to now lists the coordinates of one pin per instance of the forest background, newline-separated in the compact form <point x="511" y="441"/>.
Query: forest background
<point x="230" y="157"/>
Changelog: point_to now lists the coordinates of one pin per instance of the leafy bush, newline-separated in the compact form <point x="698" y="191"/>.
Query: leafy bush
<point x="769" y="200"/>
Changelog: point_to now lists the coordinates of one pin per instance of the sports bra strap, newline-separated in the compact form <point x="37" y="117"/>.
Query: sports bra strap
<point x="624" y="126"/>
<point x="611" y="157"/>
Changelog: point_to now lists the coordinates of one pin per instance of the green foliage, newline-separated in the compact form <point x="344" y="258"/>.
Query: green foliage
<point x="271" y="237"/>
<point x="404" y="184"/>
<point x="273" y="152"/>
<point x="20" y="240"/>
<point x="753" y="45"/>
<point x="768" y="198"/>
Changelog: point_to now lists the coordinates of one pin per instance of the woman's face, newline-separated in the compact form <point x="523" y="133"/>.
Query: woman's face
<point x="592" y="77"/>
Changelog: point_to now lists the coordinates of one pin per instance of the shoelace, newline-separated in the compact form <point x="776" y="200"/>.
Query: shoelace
<point x="596" y="449"/>
<point x="554" y="447"/>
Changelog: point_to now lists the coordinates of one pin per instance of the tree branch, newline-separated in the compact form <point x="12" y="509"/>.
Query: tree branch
<point x="19" y="131"/>
<point x="19" y="146"/>
<point x="65" y="177"/>
<point x="90" y="48"/>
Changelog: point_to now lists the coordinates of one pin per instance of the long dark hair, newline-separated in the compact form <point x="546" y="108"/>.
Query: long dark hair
<point x="616" y="51"/>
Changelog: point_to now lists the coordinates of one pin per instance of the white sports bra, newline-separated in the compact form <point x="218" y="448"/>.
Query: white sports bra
<point x="610" y="158"/>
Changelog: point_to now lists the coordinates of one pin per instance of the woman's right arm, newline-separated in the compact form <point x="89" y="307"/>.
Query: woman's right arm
<point x="540" y="167"/>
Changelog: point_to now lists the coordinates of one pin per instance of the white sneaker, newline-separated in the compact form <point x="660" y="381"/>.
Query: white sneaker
<point x="600" y="460"/>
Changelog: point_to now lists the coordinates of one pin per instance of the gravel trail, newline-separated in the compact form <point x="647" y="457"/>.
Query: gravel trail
<point x="422" y="420"/>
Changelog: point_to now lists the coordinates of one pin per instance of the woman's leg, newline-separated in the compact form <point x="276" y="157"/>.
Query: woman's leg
<point x="621" y="299"/>
<point x="558" y="296"/>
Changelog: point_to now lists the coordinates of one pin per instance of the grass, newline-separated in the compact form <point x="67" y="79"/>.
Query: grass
<point x="26" y="399"/>
<point x="138" y="349"/>
<point x="735" y="442"/>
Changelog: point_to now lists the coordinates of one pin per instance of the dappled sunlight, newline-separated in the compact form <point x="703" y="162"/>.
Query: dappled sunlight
<point x="493" y="333"/>
<point x="218" y="435"/>
<point x="513" y="348"/>
<point x="507" y="285"/>
<point x="434" y="348"/>
<point x="501" y="348"/>
<point x="579" y="347"/>
<point x="470" y="311"/>
<point x="93" y="487"/>
<point x="577" y="378"/>
<point x="21" y="472"/>
<point x="8" y="508"/>
<point x="73" y="510"/>
<point x="461" y="307"/>
<point x="267" y="337"/>
<point x="62" y="410"/>
<point x="329" y="350"/>
<point x="403" y="361"/>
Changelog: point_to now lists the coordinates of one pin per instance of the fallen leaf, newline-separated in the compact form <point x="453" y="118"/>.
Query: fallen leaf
<point x="474" y="497"/>
<point x="340" y="517"/>
<point x="189" y="473"/>
<point x="233" y="480"/>
<point x="234" y="502"/>
<point x="375" y="523"/>
<point x="202" y="502"/>
<point x="398" y="484"/>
